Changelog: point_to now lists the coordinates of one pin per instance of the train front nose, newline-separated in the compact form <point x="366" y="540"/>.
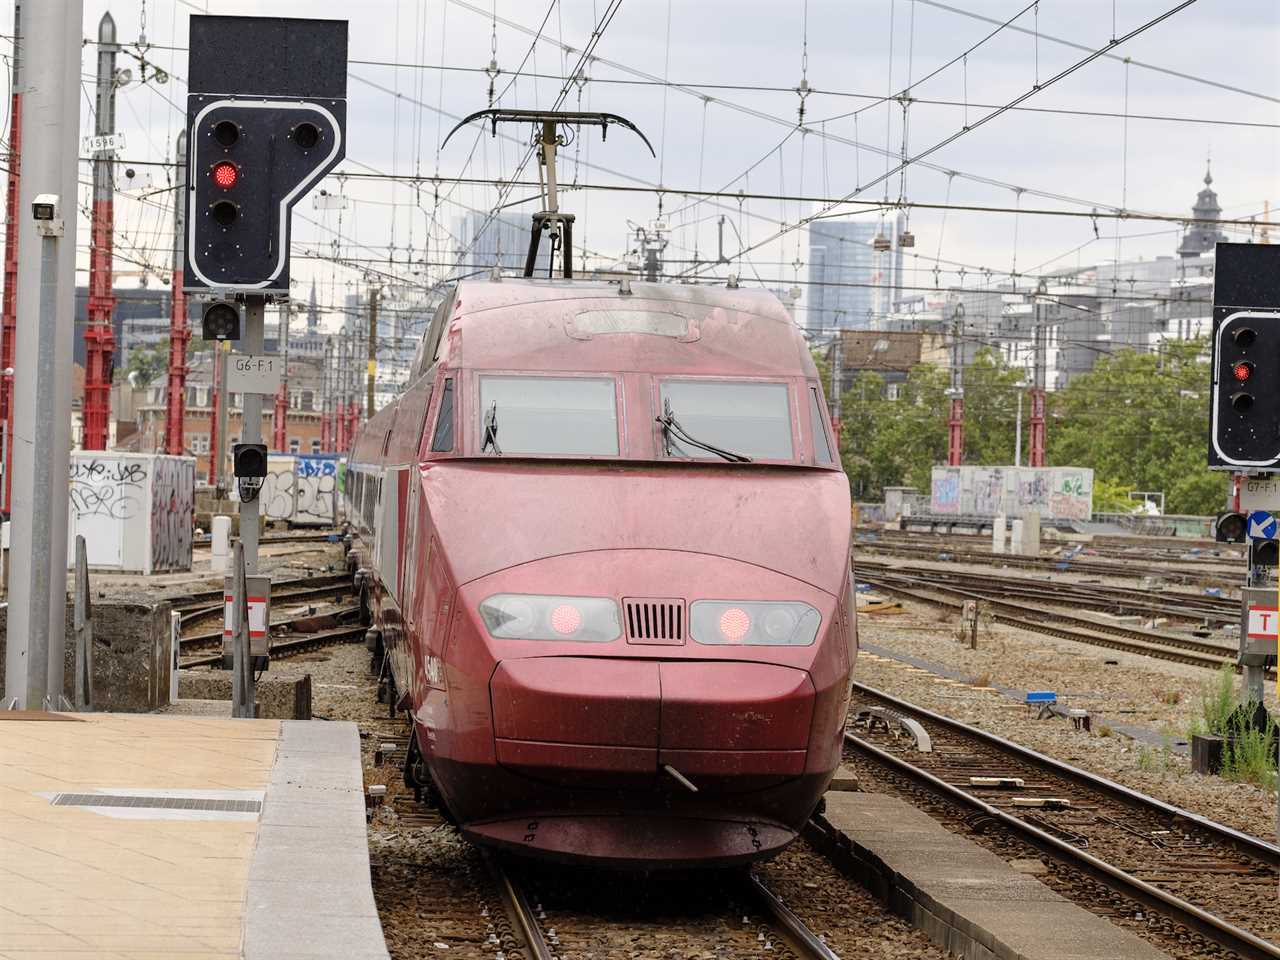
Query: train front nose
<point x="724" y="725"/>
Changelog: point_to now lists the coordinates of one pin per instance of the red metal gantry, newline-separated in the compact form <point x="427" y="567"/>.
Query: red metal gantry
<point x="9" y="304"/>
<point x="179" y="329"/>
<point x="99" y="338"/>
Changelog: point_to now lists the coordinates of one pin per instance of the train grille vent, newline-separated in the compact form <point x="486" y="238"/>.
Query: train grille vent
<point x="654" y="621"/>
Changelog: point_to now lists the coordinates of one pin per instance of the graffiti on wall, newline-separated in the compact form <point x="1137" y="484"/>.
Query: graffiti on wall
<point x="107" y="487"/>
<point x="172" y="513"/>
<point x="945" y="486"/>
<point x="1062" y="493"/>
<point x="300" y="489"/>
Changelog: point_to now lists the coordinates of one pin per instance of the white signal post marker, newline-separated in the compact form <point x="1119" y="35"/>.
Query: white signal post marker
<point x="1262" y="623"/>
<point x="254" y="374"/>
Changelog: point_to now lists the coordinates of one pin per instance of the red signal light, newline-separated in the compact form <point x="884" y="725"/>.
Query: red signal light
<point x="225" y="174"/>
<point x="1242" y="371"/>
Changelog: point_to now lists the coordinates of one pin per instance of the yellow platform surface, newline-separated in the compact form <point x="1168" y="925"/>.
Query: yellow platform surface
<point x="100" y="878"/>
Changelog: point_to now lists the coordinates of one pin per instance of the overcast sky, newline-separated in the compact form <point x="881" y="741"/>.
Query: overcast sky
<point x="1079" y="161"/>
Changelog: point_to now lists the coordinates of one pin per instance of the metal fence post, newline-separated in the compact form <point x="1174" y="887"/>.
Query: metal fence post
<point x="83" y="627"/>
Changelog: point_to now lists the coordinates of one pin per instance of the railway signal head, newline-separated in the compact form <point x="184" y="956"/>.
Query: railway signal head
<point x="251" y="160"/>
<point x="220" y="320"/>
<point x="249" y="465"/>
<point x="1245" y="411"/>
<point x="1230" y="528"/>
<point x="1264" y="553"/>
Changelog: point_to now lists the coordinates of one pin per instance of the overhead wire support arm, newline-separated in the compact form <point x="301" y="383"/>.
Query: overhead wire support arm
<point x="547" y="140"/>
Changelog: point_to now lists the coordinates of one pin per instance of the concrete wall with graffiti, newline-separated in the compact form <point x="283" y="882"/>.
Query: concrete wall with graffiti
<point x="1056" y="493"/>
<point x="302" y="490"/>
<point x="135" y="511"/>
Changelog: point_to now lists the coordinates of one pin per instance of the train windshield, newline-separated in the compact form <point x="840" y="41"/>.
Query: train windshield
<point x="752" y="420"/>
<point x="549" y="416"/>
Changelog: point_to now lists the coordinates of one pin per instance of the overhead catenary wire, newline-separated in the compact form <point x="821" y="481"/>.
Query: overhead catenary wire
<point x="988" y="117"/>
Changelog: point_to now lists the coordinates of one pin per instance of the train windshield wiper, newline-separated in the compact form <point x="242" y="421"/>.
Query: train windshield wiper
<point x="491" y="430"/>
<point x="671" y="428"/>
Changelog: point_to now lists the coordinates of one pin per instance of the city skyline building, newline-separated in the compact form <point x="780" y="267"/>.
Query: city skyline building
<point x="852" y="284"/>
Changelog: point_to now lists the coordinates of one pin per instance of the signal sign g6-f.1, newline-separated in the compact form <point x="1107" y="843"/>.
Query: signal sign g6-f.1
<point x="1244" y="427"/>
<point x="250" y="161"/>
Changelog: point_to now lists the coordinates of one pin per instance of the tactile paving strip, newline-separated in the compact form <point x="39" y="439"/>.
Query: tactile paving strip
<point x="161" y="803"/>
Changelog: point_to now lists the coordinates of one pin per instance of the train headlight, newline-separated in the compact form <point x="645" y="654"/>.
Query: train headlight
<point x="516" y="616"/>
<point x="755" y="623"/>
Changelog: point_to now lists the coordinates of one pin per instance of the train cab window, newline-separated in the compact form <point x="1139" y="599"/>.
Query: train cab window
<point x="752" y="419"/>
<point x="821" y="446"/>
<point x="549" y="416"/>
<point x="442" y="440"/>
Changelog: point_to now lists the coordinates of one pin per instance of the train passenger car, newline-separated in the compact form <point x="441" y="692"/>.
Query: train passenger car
<point x="606" y="538"/>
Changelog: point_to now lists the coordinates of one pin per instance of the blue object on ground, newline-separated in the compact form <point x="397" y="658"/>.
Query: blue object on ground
<point x="1041" y="696"/>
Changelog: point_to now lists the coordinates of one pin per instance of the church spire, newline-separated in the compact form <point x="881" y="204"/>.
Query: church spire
<point x="313" y="312"/>
<point x="1200" y="237"/>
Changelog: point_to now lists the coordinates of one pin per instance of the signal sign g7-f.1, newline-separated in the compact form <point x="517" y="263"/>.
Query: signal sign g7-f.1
<point x="1244" y="415"/>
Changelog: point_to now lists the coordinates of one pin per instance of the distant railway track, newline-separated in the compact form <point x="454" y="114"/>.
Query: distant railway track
<point x="1060" y="624"/>
<point x="1207" y="877"/>
<point x="1097" y="596"/>
<point x="1133" y="568"/>
<point x="1167" y="549"/>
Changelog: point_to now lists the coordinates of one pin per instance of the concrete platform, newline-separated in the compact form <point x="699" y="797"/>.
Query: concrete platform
<point x="968" y="900"/>
<point x="125" y="836"/>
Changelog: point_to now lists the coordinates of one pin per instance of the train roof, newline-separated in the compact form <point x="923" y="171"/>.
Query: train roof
<point x="545" y="324"/>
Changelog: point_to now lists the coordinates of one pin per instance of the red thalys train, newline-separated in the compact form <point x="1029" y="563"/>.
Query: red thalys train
<point x="606" y="544"/>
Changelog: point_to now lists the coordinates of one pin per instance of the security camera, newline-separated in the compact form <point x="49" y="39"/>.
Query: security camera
<point x="45" y="207"/>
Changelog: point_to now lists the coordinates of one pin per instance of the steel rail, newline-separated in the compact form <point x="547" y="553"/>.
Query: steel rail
<point x="517" y="906"/>
<point x="216" y="635"/>
<point x="1087" y="623"/>
<point x="1176" y="649"/>
<point x="808" y="941"/>
<point x="1111" y="568"/>
<point x="1253" y="846"/>
<point x="326" y="535"/>
<point x="1214" y="928"/>
<point x="1183" y="605"/>
<point x="185" y="602"/>
<point x="287" y="648"/>
<point x="215" y="610"/>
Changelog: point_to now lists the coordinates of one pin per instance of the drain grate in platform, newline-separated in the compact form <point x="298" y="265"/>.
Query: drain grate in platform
<point x="155" y="803"/>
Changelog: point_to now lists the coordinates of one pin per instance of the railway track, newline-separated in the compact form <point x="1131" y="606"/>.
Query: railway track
<point x="1096" y="596"/>
<point x="347" y="633"/>
<point x="289" y="623"/>
<point x="202" y="602"/>
<point x="561" y="913"/>
<point x="1161" y="549"/>
<point x="1209" y="572"/>
<point x="293" y="536"/>
<point x="1209" y="878"/>
<point x="532" y="910"/>
<point x="1060" y="624"/>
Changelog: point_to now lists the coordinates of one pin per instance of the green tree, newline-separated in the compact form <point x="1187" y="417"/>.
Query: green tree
<point x="148" y="363"/>
<point x="990" y="409"/>
<point x="1140" y="420"/>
